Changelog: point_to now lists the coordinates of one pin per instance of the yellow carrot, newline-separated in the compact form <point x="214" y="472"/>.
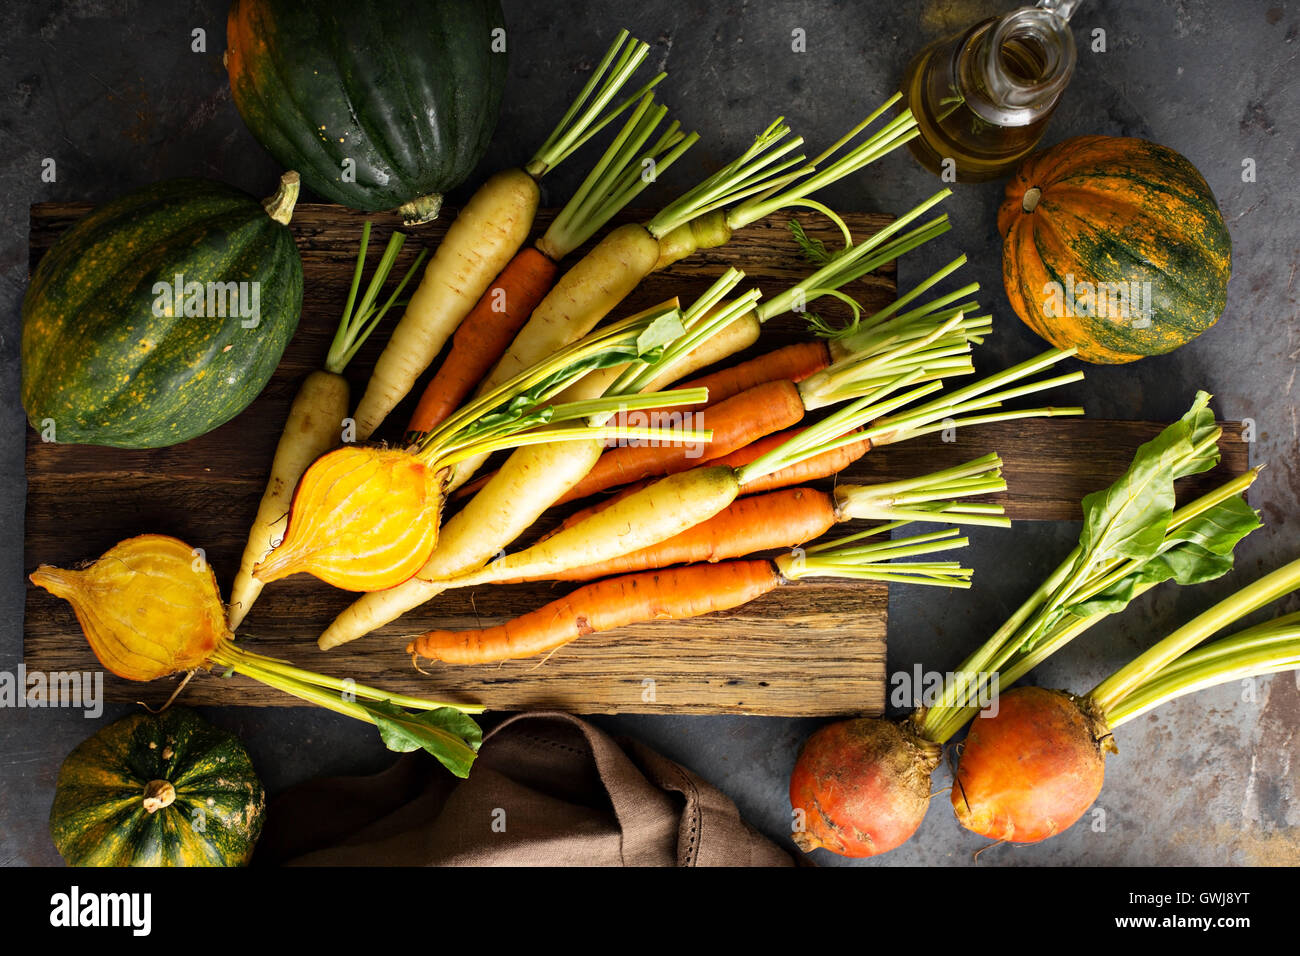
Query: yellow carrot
<point x="477" y="246"/>
<point x="313" y="427"/>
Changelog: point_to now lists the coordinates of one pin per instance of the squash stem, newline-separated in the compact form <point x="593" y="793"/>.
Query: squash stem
<point x="420" y="210"/>
<point x="280" y="205"/>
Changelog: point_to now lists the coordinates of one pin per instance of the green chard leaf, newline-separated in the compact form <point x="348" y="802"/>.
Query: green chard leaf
<point x="1218" y="529"/>
<point x="450" y="735"/>
<point x="662" y="331"/>
<point x="1128" y="519"/>
<point x="1199" y="551"/>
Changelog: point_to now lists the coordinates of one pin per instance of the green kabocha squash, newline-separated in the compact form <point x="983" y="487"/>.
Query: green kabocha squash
<point x="160" y="315"/>
<point x="379" y="105"/>
<point x="1114" y="246"/>
<point x="164" y="790"/>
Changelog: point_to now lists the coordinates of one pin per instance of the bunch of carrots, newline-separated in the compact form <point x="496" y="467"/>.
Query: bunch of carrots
<point x="583" y="403"/>
<point x="534" y="369"/>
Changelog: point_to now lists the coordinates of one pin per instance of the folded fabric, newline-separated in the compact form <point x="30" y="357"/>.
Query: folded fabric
<point x="548" y="789"/>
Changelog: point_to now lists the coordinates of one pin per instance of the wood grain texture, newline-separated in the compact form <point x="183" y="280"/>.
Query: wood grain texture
<point x="811" y="649"/>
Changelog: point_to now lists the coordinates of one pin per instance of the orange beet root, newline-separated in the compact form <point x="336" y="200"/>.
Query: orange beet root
<point x="363" y="519"/>
<point x="1031" y="771"/>
<point x="863" y="787"/>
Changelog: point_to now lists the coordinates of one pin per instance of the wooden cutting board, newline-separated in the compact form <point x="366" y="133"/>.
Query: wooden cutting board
<point x="817" y="648"/>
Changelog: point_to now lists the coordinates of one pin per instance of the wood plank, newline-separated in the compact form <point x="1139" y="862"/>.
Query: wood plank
<point x="815" y="649"/>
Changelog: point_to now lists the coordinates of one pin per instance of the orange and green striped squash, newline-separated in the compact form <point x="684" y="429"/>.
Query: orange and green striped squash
<point x="158" y="790"/>
<point x="161" y="315"/>
<point x="1114" y="246"/>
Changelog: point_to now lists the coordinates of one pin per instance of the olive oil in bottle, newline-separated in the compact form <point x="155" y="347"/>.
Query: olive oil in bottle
<point x="982" y="99"/>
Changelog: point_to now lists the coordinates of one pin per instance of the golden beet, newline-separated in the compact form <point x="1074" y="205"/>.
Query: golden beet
<point x="363" y="519"/>
<point x="149" y="606"/>
<point x="1032" y="770"/>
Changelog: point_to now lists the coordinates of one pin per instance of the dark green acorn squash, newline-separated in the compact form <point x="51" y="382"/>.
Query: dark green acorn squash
<point x="407" y="93"/>
<point x="110" y="356"/>
<point x="165" y="790"/>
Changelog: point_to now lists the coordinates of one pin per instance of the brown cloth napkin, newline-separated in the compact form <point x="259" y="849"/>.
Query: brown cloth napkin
<point x="547" y="789"/>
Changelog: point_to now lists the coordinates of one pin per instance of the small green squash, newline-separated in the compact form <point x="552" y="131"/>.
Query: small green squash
<point x="379" y="105"/>
<point x="113" y="356"/>
<point x="164" y="790"/>
<point x="1114" y="246"/>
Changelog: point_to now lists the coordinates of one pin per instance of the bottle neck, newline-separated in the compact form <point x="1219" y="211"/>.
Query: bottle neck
<point x="1011" y="70"/>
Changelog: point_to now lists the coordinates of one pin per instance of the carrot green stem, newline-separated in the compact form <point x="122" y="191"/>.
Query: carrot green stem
<point x="360" y="319"/>
<point x="942" y="349"/>
<point x="584" y="119"/>
<point x="617" y="178"/>
<point x="844" y="558"/>
<point x="858" y="260"/>
<point x="894" y="134"/>
<point x="835" y="429"/>
<point x="914" y="293"/>
<point x="554" y="374"/>
<point x="597" y="411"/>
<point x="845" y="423"/>
<point x="746" y="174"/>
<point x="546" y="436"/>
<point x="600" y="408"/>
<point x="930" y="497"/>
<point x="703" y="319"/>
<point x="978" y="395"/>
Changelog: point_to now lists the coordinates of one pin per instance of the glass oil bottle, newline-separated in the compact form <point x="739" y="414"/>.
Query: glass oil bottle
<point x="982" y="99"/>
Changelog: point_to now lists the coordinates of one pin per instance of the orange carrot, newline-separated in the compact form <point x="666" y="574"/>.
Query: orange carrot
<point x="655" y="595"/>
<point x="779" y="519"/>
<point x="735" y="423"/>
<point x="820" y="466"/>
<point x="793" y="362"/>
<point x="484" y="335"/>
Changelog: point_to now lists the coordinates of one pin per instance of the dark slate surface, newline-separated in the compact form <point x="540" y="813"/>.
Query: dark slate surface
<point x="112" y="91"/>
